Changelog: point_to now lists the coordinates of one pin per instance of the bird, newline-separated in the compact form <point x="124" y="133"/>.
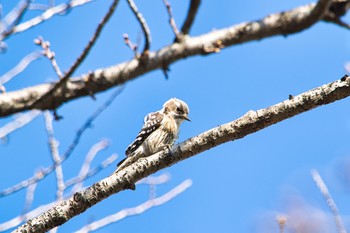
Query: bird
<point x="160" y="130"/>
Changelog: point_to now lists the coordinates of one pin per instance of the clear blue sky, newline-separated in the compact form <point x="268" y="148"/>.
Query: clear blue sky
<point x="237" y="187"/>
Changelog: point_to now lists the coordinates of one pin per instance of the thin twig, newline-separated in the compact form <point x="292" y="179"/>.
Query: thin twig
<point x="144" y="26"/>
<point x="53" y="143"/>
<point x="138" y="209"/>
<point x="64" y="7"/>
<point x="46" y="171"/>
<point x="191" y="15"/>
<point x="19" y="219"/>
<point x="110" y="160"/>
<point x="131" y="45"/>
<point x="89" y="121"/>
<point x="29" y="198"/>
<point x="20" y="67"/>
<point x="27" y="215"/>
<point x="49" y="54"/>
<point x="82" y="56"/>
<point x="13" y="18"/>
<point x="330" y="201"/>
<point x="39" y="6"/>
<point x="85" y="168"/>
<point x="171" y="19"/>
<point x="155" y="180"/>
<point x="20" y="121"/>
<point x="92" y="40"/>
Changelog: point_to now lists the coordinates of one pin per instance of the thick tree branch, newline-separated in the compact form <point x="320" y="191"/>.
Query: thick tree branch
<point x="191" y="14"/>
<point x="283" y="23"/>
<point x="251" y="122"/>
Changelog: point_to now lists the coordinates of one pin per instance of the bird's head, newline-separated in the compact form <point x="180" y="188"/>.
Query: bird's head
<point x="177" y="109"/>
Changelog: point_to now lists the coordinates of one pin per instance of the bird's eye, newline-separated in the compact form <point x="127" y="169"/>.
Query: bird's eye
<point x="178" y="109"/>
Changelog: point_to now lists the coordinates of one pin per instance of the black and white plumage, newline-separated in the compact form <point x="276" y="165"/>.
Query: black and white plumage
<point x="160" y="129"/>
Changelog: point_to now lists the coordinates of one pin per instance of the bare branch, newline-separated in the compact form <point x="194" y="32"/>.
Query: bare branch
<point x="19" y="122"/>
<point x="49" y="54"/>
<point x="29" y="198"/>
<point x="331" y="18"/>
<point x="138" y="209"/>
<point x="13" y="18"/>
<point x="171" y="19"/>
<point x="89" y="121"/>
<point x="284" y="23"/>
<point x="144" y="26"/>
<point x="191" y="14"/>
<point x="19" y="219"/>
<point x="45" y="16"/>
<point x="46" y="171"/>
<point x="131" y="45"/>
<point x="126" y="178"/>
<point x="85" y="168"/>
<point x="53" y="143"/>
<point x="33" y="213"/>
<point x="20" y="67"/>
<point x="330" y="201"/>
<point x="81" y="58"/>
<point x="110" y="160"/>
<point x="155" y="180"/>
<point x="92" y="41"/>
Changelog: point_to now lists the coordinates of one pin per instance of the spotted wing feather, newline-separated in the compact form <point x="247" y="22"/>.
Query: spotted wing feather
<point x="151" y="122"/>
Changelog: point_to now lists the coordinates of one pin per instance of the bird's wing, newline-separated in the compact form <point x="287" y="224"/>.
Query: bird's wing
<point x="151" y="123"/>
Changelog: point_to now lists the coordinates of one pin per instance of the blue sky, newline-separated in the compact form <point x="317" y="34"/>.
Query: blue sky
<point x="237" y="187"/>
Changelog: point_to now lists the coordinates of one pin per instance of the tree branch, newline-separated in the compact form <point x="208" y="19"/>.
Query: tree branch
<point x="46" y="171"/>
<point x="283" y="23"/>
<point x="172" y="20"/>
<point x="59" y="9"/>
<point x="144" y="26"/>
<point x="13" y="18"/>
<point x="251" y="122"/>
<point x="330" y="201"/>
<point x="137" y="209"/>
<point x="191" y="14"/>
<point x="79" y="60"/>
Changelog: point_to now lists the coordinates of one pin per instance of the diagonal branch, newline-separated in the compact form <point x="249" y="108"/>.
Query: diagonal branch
<point x="144" y="26"/>
<point x="59" y="9"/>
<point x="137" y="209"/>
<point x="172" y="20"/>
<point x="46" y="171"/>
<point x="27" y="214"/>
<point x="13" y="18"/>
<point x="283" y="23"/>
<point x="24" y="63"/>
<point x="330" y="201"/>
<point x="81" y="58"/>
<point x="251" y="122"/>
<point x="191" y="14"/>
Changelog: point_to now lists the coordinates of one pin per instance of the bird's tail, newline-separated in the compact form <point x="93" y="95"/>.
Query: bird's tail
<point x="127" y="161"/>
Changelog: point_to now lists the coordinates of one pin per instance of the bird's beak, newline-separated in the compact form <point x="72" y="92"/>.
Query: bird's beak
<point x="187" y="119"/>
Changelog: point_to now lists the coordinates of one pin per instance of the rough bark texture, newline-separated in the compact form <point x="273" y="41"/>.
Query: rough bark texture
<point x="247" y="124"/>
<point x="283" y="23"/>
